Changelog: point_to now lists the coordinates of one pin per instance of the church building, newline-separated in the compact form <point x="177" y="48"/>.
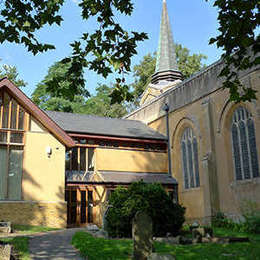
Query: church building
<point x="58" y="169"/>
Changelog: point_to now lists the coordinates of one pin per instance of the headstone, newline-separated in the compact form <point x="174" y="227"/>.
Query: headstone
<point x="5" y="252"/>
<point x="101" y="233"/>
<point x="5" y="227"/>
<point x="104" y="220"/>
<point x="92" y="228"/>
<point x="142" y="233"/>
<point x="155" y="256"/>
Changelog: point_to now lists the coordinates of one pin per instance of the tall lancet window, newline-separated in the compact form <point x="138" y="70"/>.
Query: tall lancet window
<point x="190" y="163"/>
<point x="244" y="145"/>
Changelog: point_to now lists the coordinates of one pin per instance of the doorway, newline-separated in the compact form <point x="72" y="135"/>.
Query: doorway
<point x="79" y="206"/>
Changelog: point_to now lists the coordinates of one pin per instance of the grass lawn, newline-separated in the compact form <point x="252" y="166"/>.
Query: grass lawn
<point x="99" y="248"/>
<point x="28" y="229"/>
<point x="21" y="246"/>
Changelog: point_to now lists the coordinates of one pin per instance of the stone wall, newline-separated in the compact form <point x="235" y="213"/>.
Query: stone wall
<point x="51" y="214"/>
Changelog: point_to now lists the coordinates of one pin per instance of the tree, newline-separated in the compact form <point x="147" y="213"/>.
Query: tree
<point x="47" y="99"/>
<point x="51" y="92"/>
<point x="12" y="74"/>
<point x="188" y="65"/>
<point x="100" y="104"/>
<point x="239" y="20"/>
<point x="109" y="49"/>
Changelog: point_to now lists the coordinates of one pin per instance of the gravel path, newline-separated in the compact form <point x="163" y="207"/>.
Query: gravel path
<point x="55" y="245"/>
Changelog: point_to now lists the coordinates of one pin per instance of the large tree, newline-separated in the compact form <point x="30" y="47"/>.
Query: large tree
<point x="110" y="48"/>
<point x="52" y="92"/>
<point x="188" y="64"/>
<point x="47" y="99"/>
<point x="239" y="37"/>
<point x="100" y="104"/>
<point x="12" y="74"/>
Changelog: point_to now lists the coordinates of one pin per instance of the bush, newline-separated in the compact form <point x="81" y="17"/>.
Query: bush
<point x="251" y="224"/>
<point x="151" y="198"/>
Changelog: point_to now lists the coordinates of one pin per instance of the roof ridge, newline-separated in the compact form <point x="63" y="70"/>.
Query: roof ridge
<point x="90" y="115"/>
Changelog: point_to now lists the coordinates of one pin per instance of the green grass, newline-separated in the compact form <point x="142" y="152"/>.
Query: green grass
<point x="104" y="249"/>
<point x="100" y="248"/>
<point x="28" y="229"/>
<point x="21" y="246"/>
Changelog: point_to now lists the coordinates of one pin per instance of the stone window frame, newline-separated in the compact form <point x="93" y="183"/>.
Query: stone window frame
<point x="190" y="180"/>
<point x="246" y="154"/>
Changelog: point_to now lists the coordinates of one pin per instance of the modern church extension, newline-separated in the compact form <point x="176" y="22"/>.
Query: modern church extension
<point x="58" y="169"/>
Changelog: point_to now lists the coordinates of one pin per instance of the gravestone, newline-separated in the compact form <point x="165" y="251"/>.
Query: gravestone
<point x="5" y="227"/>
<point x="142" y="233"/>
<point x="155" y="256"/>
<point x="5" y="252"/>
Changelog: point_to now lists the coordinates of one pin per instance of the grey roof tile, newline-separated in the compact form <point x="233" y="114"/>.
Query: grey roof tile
<point x="114" y="177"/>
<point x="88" y="124"/>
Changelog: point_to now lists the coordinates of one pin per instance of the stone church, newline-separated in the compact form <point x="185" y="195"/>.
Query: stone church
<point x="58" y="169"/>
<point x="214" y="144"/>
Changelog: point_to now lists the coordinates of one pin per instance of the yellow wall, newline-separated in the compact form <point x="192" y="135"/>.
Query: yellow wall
<point x="43" y="176"/>
<point x="130" y="161"/>
<point x="210" y="118"/>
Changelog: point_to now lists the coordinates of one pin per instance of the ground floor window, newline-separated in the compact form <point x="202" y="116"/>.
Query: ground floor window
<point x="11" y="160"/>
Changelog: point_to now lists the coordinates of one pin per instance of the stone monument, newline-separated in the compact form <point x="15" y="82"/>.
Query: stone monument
<point x="142" y="233"/>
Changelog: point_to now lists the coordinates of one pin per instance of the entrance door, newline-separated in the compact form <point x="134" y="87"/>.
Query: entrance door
<point x="79" y="207"/>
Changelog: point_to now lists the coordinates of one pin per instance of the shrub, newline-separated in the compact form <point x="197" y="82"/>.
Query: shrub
<point x="151" y="198"/>
<point x="251" y="224"/>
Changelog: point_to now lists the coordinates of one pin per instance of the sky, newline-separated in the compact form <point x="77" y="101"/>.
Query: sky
<point x="193" y="23"/>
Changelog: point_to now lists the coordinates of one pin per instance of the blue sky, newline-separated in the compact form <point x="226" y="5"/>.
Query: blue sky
<point x="193" y="23"/>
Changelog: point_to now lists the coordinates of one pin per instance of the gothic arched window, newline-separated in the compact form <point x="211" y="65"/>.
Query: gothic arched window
<point x="190" y="163"/>
<point x="244" y="145"/>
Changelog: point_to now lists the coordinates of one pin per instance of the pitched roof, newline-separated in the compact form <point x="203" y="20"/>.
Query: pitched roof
<point x="105" y="177"/>
<point x="37" y="113"/>
<point x="88" y="124"/>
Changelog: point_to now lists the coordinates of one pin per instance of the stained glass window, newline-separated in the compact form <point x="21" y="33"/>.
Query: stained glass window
<point x="245" y="156"/>
<point x="190" y="163"/>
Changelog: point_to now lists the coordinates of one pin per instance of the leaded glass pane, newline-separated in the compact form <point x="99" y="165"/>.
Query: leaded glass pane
<point x="244" y="149"/>
<point x="13" y="115"/>
<point x="196" y="162"/>
<point x="3" y="137"/>
<point x="3" y="171"/>
<point x="16" y="138"/>
<point x="253" y="149"/>
<point x="15" y="173"/>
<point x="185" y="168"/>
<point x="190" y="160"/>
<point x="5" y="111"/>
<point x="21" y="119"/>
<point x="236" y="152"/>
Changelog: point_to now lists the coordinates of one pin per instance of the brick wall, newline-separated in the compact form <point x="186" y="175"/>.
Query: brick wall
<point x="51" y="214"/>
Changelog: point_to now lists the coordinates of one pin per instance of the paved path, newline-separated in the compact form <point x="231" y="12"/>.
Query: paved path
<point x="55" y="245"/>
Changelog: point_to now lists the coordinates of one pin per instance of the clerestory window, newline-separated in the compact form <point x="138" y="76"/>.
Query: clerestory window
<point x="80" y="159"/>
<point x="244" y="150"/>
<point x="190" y="163"/>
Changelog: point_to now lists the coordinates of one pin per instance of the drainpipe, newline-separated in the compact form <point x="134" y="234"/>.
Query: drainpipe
<point x="166" y="109"/>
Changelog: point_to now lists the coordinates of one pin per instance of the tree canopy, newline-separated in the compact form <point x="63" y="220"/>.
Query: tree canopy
<point x="239" y="21"/>
<point x="47" y="99"/>
<point x="12" y="74"/>
<point x="110" y="48"/>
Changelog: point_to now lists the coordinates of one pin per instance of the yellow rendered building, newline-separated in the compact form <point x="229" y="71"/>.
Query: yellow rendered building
<point x="58" y="169"/>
